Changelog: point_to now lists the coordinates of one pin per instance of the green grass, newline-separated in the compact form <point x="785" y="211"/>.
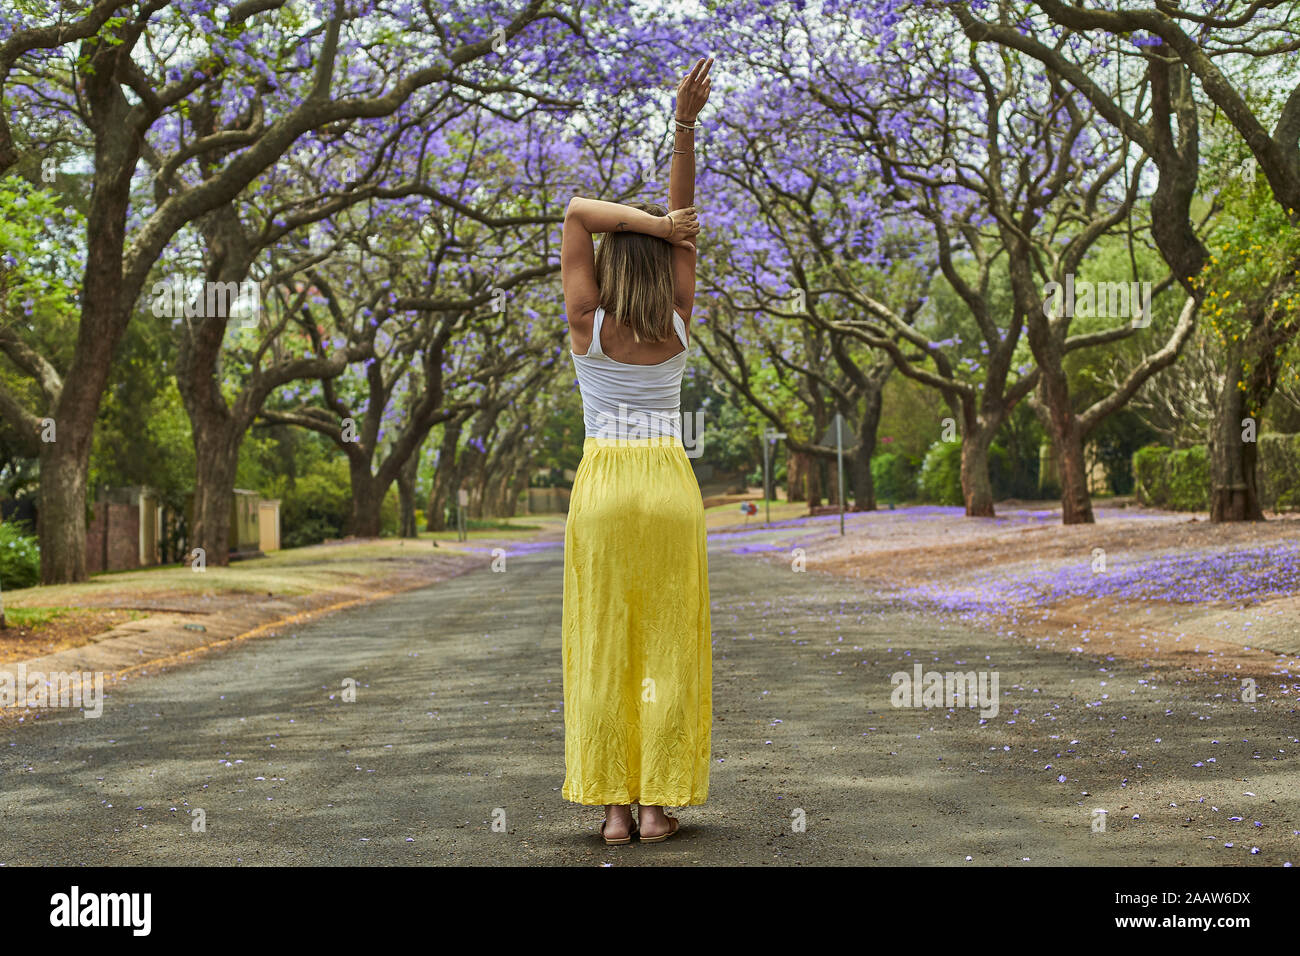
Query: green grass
<point x="41" y="616"/>
<point x="494" y="527"/>
<point x="498" y="524"/>
<point x="309" y="569"/>
<point x="34" y="616"/>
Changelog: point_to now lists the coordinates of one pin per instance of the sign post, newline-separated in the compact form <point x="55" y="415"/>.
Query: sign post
<point x="462" y="499"/>
<point x="839" y="454"/>
<point x="835" y="436"/>
<point x="770" y="438"/>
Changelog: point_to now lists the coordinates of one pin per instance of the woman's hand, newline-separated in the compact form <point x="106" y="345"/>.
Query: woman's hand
<point x="693" y="91"/>
<point x="682" y="227"/>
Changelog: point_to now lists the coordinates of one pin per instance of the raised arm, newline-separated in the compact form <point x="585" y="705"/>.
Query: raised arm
<point x="596" y="215"/>
<point x="692" y="94"/>
<point x="578" y="257"/>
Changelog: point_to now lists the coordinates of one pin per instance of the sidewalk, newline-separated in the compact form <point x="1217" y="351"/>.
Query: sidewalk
<point x="186" y="612"/>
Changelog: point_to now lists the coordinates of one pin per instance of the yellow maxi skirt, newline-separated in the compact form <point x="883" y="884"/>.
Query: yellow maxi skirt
<point x="638" y="666"/>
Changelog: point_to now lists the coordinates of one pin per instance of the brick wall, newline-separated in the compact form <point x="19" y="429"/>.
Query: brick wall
<point x="548" y="500"/>
<point x="123" y="538"/>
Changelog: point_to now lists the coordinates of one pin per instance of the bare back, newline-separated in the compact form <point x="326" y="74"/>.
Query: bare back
<point x="616" y="342"/>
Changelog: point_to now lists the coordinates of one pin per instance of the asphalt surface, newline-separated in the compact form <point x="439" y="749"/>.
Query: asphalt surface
<point x="452" y="752"/>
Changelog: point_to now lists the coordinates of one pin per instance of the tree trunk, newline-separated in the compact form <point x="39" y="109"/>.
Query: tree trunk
<point x="213" y="491"/>
<point x="61" y="521"/>
<point x="518" y="489"/>
<point x="976" y="489"/>
<point x="796" y="476"/>
<point x="435" y="513"/>
<point x="216" y="455"/>
<point x="858" y="468"/>
<point x="1063" y="428"/>
<point x="503" y="493"/>
<point x="469" y="471"/>
<point x="859" y="465"/>
<point x="444" y="478"/>
<point x="1076" y="503"/>
<point x="406" y="495"/>
<point x="217" y="428"/>
<point x="829" y="467"/>
<point x="65" y="461"/>
<point x="1234" y="491"/>
<point x="499" y="505"/>
<point x="812" y="481"/>
<point x="367" y="500"/>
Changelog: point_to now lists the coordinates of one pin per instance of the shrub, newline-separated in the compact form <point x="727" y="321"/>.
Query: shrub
<point x="1149" y="479"/>
<point x="939" y="480"/>
<point x="309" y="530"/>
<point x="894" y="477"/>
<point x="1005" y="478"/>
<point x="390" y="512"/>
<point x="1177" y="480"/>
<point x="317" y="505"/>
<point x="20" y="558"/>
<point x="1049" y="482"/>
<point x="1279" y="472"/>
<point x="1189" y="479"/>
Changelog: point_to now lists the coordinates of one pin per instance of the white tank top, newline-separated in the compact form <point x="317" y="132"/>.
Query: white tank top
<point x="630" y="401"/>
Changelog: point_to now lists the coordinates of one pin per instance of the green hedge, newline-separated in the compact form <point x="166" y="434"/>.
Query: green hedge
<point x="894" y="477"/>
<point x="316" y="505"/>
<point x="1176" y="480"/>
<point x="20" y="558"/>
<point x="1279" y="472"/>
<point x="939" y="481"/>
<point x="1180" y="480"/>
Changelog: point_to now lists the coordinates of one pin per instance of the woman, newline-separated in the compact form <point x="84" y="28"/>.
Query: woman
<point x="636" y="626"/>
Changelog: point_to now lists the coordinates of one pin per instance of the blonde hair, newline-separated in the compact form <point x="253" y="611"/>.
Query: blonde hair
<point x="634" y="273"/>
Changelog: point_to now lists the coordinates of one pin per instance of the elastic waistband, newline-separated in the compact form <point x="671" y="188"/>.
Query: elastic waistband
<point x="657" y="441"/>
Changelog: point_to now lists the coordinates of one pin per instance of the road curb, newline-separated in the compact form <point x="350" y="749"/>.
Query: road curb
<point x="161" y="640"/>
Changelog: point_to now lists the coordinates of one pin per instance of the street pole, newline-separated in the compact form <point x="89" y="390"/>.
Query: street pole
<point x="770" y="437"/>
<point x="839" y="454"/>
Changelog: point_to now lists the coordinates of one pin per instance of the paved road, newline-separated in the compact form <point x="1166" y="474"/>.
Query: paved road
<point x="457" y="722"/>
